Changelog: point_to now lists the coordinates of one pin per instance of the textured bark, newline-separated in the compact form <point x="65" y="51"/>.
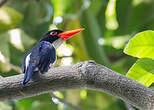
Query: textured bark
<point x="84" y="75"/>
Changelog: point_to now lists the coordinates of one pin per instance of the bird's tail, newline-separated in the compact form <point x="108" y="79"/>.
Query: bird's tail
<point x="28" y="74"/>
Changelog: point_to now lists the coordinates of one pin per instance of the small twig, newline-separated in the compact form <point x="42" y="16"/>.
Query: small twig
<point x="14" y="67"/>
<point x="1" y="76"/>
<point x="66" y="102"/>
<point x="2" y="2"/>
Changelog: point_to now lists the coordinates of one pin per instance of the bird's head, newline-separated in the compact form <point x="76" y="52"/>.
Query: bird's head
<point x="54" y="35"/>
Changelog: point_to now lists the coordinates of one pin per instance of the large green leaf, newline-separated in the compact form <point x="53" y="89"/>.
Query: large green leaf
<point x="141" y="45"/>
<point x="9" y="18"/>
<point x="142" y="71"/>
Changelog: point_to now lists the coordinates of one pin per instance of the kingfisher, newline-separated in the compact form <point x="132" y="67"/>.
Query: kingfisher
<point x="43" y="55"/>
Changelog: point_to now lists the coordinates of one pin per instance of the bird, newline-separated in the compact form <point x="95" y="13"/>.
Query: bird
<point x="43" y="55"/>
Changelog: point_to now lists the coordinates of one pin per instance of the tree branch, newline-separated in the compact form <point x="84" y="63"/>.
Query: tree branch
<point x="84" y="75"/>
<point x="14" y="67"/>
<point x="2" y="2"/>
<point x="65" y="102"/>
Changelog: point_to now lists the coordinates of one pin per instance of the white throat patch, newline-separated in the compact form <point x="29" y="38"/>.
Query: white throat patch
<point x="27" y="60"/>
<point x="57" y="43"/>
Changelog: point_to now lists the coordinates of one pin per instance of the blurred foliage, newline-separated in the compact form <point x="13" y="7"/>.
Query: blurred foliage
<point x="9" y="18"/>
<point x="109" y="24"/>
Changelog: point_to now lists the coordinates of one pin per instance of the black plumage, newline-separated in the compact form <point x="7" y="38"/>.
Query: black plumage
<point x="41" y="56"/>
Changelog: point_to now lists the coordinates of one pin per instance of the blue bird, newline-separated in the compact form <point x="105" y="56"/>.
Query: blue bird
<point x="43" y="55"/>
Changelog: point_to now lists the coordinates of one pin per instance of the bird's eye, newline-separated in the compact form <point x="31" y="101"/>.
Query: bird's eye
<point x="53" y="33"/>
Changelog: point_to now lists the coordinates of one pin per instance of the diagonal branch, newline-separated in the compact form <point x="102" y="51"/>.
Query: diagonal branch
<point x="14" y="67"/>
<point x="2" y="2"/>
<point x="65" y="102"/>
<point x="84" y="75"/>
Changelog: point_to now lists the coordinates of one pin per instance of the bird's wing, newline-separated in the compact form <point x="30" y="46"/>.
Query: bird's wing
<point x="43" y="55"/>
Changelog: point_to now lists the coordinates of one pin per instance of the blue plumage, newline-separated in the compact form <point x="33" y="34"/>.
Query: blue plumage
<point x="39" y="59"/>
<point x="28" y="73"/>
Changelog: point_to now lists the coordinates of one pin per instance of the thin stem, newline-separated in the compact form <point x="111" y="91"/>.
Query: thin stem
<point x="12" y="66"/>
<point x="66" y="102"/>
<point x="3" y="2"/>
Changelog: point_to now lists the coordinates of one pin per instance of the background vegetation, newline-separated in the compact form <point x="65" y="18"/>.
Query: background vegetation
<point x="109" y="24"/>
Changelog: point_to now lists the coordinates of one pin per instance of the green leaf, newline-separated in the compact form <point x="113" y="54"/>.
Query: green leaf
<point x="9" y="18"/>
<point x="141" y="45"/>
<point x="142" y="71"/>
